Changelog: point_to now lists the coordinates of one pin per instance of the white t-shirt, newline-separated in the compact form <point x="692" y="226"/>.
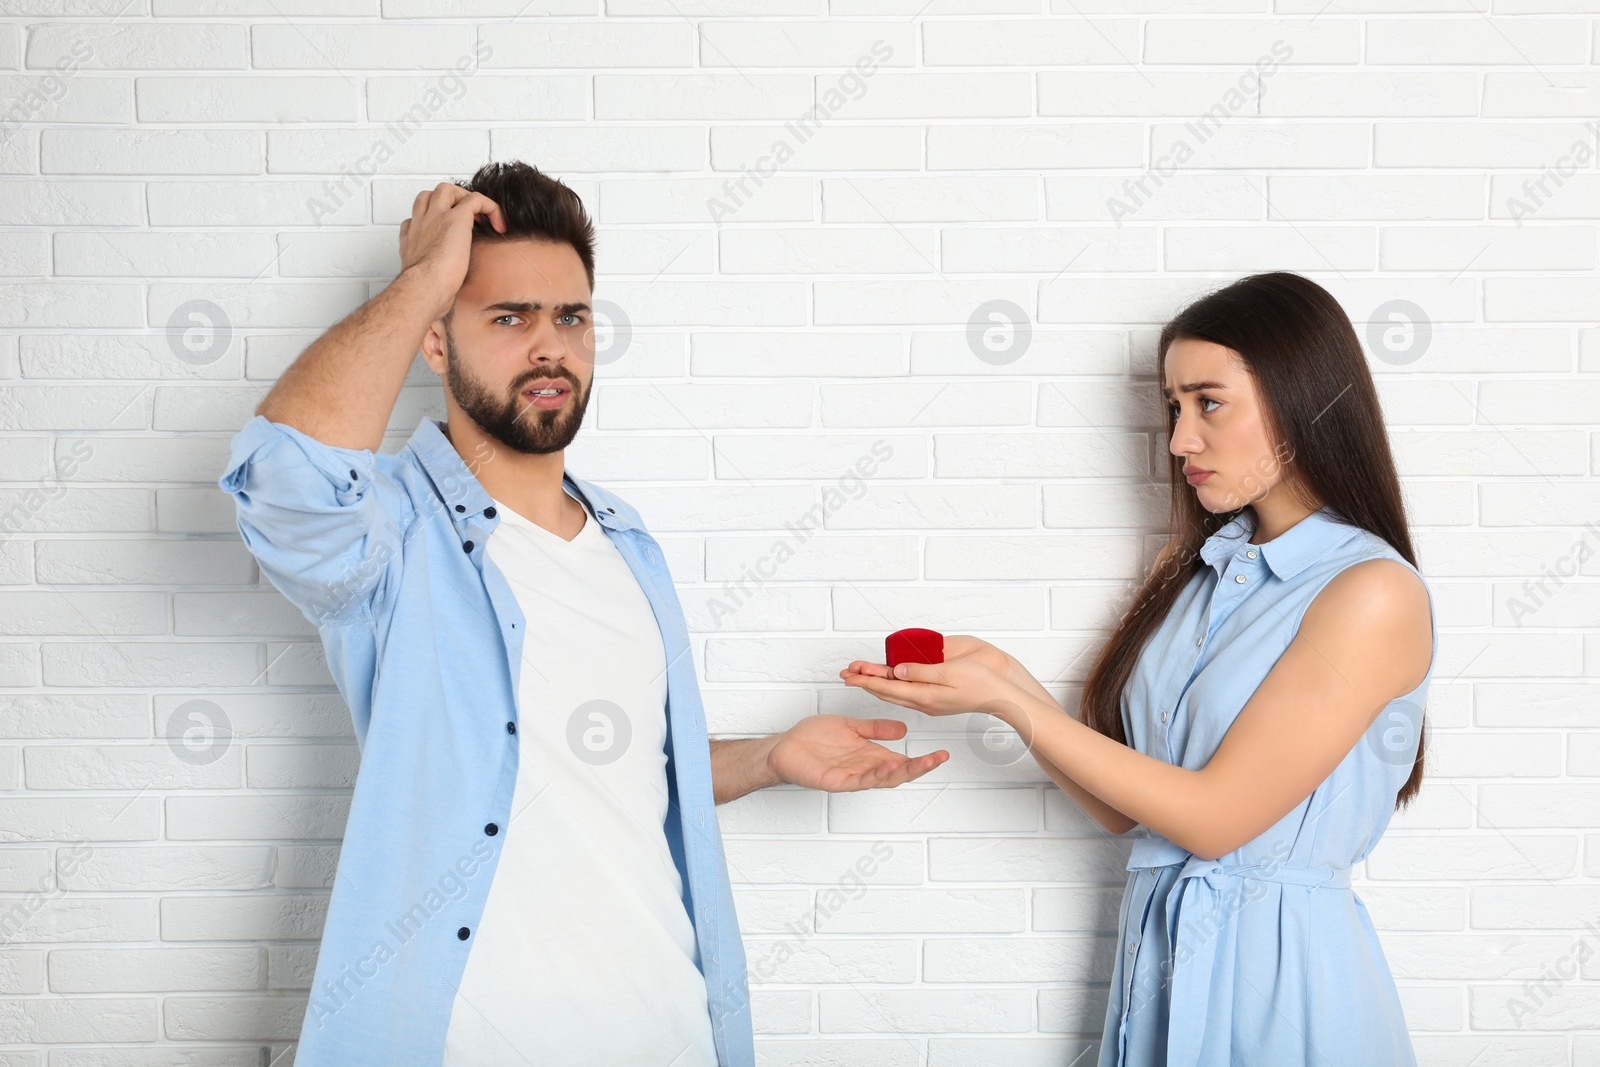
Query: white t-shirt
<point x="585" y="953"/>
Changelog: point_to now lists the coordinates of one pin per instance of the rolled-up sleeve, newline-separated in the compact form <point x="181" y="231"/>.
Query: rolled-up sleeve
<point x="325" y="524"/>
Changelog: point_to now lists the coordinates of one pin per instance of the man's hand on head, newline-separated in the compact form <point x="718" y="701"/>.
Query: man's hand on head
<point x="436" y="241"/>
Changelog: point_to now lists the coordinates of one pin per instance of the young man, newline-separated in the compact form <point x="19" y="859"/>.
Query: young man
<point x="532" y="870"/>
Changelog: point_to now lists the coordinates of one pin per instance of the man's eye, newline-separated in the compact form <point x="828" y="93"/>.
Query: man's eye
<point x="574" y="319"/>
<point x="502" y="318"/>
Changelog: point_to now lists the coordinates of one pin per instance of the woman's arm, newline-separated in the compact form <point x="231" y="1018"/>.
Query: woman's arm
<point x="1107" y="816"/>
<point x="1364" y="640"/>
<point x="1113" y="820"/>
<point x="957" y="646"/>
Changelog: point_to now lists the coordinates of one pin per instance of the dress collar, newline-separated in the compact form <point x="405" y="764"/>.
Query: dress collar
<point x="1287" y="554"/>
<point x="465" y="497"/>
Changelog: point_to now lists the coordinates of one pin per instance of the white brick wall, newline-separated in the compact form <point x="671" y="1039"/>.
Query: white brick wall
<point x="238" y="168"/>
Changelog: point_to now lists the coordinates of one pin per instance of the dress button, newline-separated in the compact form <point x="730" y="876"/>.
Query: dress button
<point x="353" y="474"/>
<point x="489" y="513"/>
<point x="461" y="507"/>
<point x="1251" y="553"/>
<point x="1237" y="577"/>
<point x="466" y="546"/>
<point x="511" y="727"/>
<point x="491" y="829"/>
<point x="463" y="933"/>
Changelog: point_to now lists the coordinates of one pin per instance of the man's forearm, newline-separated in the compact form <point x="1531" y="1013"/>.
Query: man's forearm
<point x="740" y="767"/>
<point x="343" y="388"/>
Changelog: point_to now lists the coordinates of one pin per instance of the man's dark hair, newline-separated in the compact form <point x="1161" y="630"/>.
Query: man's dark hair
<point x="534" y="205"/>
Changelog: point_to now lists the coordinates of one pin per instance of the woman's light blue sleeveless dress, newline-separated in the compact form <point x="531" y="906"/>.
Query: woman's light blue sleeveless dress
<point x="1264" y="956"/>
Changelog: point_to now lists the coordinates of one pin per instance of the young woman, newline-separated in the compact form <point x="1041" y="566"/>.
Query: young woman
<point x="1257" y="711"/>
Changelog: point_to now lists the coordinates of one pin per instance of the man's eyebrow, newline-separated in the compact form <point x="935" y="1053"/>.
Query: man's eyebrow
<point x="524" y="306"/>
<point x="1193" y="387"/>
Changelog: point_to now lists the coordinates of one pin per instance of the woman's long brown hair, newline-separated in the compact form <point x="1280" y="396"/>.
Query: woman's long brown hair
<point x="1322" y="411"/>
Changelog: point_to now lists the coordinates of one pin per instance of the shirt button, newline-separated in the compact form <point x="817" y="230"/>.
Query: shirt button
<point x="353" y="474"/>
<point x="1237" y="577"/>
<point x="1132" y="945"/>
<point x="463" y="933"/>
<point x="466" y="546"/>
<point x="1251" y="553"/>
<point x="1200" y="641"/>
<point x="491" y="829"/>
<point x="511" y="727"/>
<point x="1163" y="716"/>
<point x="461" y="507"/>
<point x="489" y="513"/>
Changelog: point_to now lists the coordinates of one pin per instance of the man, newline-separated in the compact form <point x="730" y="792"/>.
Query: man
<point x="532" y="870"/>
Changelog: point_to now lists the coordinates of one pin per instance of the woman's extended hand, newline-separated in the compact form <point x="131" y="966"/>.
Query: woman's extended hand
<point x="956" y="646"/>
<point x="960" y="684"/>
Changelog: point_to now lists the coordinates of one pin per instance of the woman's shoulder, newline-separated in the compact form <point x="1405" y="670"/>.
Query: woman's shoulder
<point x="1367" y="564"/>
<point x="1380" y="610"/>
<point x="1345" y="548"/>
<point x="1385" y="584"/>
<point x="1366" y="572"/>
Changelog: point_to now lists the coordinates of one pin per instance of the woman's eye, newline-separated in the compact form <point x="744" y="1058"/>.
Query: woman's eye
<point x="1207" y="400"/>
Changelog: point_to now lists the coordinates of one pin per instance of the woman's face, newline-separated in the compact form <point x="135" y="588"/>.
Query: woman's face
<point x="1221" y="430"/>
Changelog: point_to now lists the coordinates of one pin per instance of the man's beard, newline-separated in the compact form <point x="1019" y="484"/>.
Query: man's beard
<point x="512" y="420"/>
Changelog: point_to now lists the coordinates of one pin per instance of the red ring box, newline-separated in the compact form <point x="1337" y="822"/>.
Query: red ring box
<point x="914" y="646"/>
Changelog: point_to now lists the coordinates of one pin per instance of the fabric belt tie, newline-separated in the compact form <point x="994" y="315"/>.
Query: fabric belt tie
<point x="1196" y="898"/>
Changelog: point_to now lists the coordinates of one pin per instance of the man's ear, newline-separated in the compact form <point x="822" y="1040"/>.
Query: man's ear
<point x="434" y="347"/>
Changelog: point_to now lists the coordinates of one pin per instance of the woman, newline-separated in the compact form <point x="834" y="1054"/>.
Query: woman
<point x="1257" y="710"/>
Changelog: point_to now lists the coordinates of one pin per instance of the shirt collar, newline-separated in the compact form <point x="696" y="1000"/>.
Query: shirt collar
<point x="465" y="497"/>
<point x="1287" y="554"/>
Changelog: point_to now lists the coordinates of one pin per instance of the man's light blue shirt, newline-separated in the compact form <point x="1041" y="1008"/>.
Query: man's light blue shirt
<point x="423" y="635"/>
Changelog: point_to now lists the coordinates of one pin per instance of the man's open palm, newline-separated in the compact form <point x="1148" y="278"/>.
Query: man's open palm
<point x="838" y="754"/>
